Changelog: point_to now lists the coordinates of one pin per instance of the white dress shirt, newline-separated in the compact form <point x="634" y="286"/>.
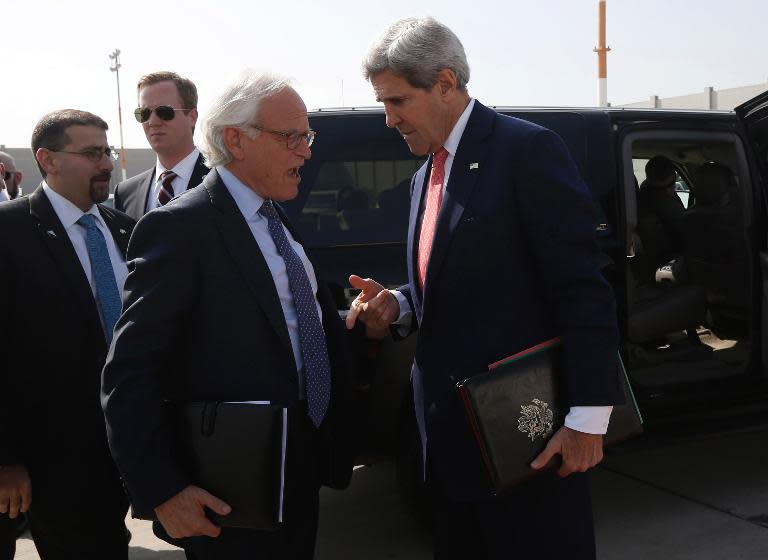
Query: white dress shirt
<point x="587" y="419"/>
<point x="249" y="204"/>
<point x="4" y="195"/>
<point x="68" y="215"/>
<point x="183" y="170"/>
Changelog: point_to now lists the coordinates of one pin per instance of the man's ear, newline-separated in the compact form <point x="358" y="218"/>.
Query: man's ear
<point x="233" y="142"/>
<point x="47" y="159"/>
<point x="193" y="115"/>
<point x="446" y="82"/>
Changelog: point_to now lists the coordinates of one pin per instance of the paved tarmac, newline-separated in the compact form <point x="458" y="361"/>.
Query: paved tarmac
<point x="704" y="499"/>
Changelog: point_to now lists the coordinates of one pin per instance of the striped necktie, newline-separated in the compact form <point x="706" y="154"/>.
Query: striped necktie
<point x="165" y="194"/>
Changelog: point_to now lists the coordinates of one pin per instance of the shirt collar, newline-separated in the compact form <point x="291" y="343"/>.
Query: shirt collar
<point x="246" y="199"/>
<point x="67" y="212"/>
<point x="451" y="144"/>
<point x="183" y="169"/>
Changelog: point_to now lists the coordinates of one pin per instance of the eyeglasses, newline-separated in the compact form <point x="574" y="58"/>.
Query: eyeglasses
<point x="292" y="139"/>
<point x="93" y="154"/>
<point x="164" y="112"/>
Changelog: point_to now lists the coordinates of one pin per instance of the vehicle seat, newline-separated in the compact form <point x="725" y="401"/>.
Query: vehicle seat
<point x="716" y="253"/>
<point x="656" y="310"/>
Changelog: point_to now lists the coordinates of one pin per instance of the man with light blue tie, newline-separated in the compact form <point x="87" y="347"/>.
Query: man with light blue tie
<point x="223" y="303"/>
<point x="66" y="268"/>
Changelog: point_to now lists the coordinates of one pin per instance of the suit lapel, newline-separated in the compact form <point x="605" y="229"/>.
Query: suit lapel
<point x="198" y="173"/>
<point x="56" y="240"/>
<point x="142" y="194"/>
<point x="414" y="228"/>
<point x="465" y="171"/>
<point x="121" y="233"/>
<point x="244" y="250"/>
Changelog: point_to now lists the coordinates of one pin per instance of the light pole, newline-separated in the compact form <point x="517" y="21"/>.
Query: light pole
<point x="115" y="67"/>
<point x="602" y="57"/>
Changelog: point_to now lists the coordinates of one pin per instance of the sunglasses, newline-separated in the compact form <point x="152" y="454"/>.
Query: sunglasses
<point x="163" y="112"/>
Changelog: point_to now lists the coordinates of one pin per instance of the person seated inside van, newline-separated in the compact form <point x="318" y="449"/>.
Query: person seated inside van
<point x="660" y="212"/>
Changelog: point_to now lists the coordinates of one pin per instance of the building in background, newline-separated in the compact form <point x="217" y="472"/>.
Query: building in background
<point x="709" y="99"/>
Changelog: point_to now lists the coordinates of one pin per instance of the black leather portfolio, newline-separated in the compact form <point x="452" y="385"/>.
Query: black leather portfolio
<point x="235" y="451"/>
<point x="516" y="406"/>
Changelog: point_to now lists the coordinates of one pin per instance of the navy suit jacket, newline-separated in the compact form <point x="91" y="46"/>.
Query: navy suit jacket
<point x="514" y="262"/>
<point x="202" y="320"/>
<point x="131" y="195"/>
<point x="52" y="350"/>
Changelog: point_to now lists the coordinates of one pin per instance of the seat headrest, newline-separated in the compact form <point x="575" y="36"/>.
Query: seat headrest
<point x="711" y="182"/>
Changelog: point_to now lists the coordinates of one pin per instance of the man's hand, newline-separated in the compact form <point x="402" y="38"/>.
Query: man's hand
<point x="15" y="490"/>
<point x="579" y="451"/>
<point x="184" y="514"/>
<point x="374" y="305"/>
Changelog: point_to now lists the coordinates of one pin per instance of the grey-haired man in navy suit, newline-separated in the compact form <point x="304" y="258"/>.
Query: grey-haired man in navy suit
<point x="502" y="255"/>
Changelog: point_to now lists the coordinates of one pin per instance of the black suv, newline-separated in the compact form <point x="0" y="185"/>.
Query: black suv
<point x="692" y="304"/>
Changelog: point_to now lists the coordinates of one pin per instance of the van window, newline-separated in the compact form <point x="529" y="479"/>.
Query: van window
<point x="356" y="188"/>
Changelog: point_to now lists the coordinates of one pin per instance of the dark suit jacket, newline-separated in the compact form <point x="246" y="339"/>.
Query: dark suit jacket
<point x="52" y="350"/>
<point x="131" y="195"/>
<point x="514" y="262"/>
<point x="203" y="321"/>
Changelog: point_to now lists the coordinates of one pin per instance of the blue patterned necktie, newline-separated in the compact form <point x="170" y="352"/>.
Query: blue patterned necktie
<point x="107" y="294"/>
<point x="317" y="371"/>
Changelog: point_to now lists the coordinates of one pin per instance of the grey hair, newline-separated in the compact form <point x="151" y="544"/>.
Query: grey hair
<point x="237" y="106"/>
<point x="416" y="49"/>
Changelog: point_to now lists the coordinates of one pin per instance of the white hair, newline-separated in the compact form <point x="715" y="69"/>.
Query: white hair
<point x="417" y="49"/>
<point x="237" y="106"/>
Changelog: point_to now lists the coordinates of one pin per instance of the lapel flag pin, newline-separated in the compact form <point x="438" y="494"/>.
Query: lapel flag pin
<point x="123" y="231"/>
<point x="51" y="234"/>
<point x="474" y="165"/>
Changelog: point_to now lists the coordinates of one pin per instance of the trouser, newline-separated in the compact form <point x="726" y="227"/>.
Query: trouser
<point x="548" y="517"/>
<point x="7" y="537"/>
<point x="76" y="536"/>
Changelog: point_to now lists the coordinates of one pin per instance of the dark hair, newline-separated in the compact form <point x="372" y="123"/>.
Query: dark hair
<point x="659" y="168"/>
<point x="51" y="131"/>
<point x="187" y="90"/>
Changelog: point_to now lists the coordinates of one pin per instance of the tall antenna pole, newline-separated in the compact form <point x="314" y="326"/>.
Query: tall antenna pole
<point x="115" y="67"/>
<point x="602" y="57"/>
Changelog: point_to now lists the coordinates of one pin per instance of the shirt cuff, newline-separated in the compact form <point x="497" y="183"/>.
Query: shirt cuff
<point x="404" y="319"/>
<point x="589" y="419"/>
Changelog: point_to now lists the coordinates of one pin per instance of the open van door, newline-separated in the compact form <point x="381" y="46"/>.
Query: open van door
<point x="754" y="117"/>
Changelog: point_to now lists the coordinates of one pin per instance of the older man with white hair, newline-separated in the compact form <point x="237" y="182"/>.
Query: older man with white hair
<point x="222" y="303"/>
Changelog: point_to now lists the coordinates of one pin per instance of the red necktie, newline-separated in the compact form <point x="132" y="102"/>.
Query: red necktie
<point x="431" y="210"/>
<point x="165" y="193"/>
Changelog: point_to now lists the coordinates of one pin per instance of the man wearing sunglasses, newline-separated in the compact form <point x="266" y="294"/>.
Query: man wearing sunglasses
<point x="168" y="113"/>
<point x="11" y="176"/>
<point x="65" y="270"/>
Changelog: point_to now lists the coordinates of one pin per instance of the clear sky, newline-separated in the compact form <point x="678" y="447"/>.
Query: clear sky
<point x="54" y="54"/>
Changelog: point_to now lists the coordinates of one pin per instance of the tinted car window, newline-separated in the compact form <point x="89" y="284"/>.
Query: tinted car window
<point x="356" y="187"/>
